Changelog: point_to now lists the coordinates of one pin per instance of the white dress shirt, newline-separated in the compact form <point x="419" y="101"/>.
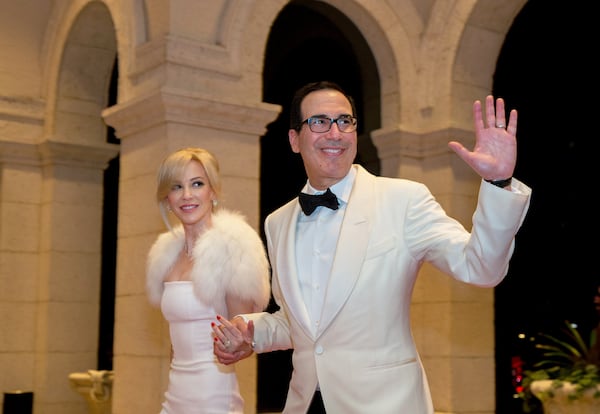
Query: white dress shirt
<point x="316" y="240"/>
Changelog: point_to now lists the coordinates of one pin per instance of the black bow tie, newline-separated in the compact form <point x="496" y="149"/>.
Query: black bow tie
<point x="310" y="202"/>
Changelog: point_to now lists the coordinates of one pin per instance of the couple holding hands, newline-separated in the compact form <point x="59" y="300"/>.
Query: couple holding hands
<point x="342" y="272"/>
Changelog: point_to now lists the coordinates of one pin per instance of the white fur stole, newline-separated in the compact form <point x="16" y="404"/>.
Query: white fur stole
<point x="229" y="258"/>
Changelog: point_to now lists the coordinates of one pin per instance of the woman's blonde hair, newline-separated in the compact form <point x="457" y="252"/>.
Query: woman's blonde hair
<point x="171" y="171"/>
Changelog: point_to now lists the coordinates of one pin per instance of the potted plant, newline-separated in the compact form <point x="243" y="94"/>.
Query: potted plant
<point x="567" y="378"/>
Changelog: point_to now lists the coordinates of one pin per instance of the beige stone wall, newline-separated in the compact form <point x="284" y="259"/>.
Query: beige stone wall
<point x="190" y="73"/>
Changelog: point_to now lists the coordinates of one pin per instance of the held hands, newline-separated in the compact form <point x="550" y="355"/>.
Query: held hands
<point x="495" y="153"/>
<point x="233" y="339"/>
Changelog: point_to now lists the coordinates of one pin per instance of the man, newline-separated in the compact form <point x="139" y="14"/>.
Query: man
<point x="343" y="276"/>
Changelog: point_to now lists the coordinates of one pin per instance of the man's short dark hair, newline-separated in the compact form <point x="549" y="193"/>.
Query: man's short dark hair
<point x="295" y="108"/>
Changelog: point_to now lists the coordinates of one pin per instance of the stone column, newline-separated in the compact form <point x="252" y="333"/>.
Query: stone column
<point x="51" y="219"/>
<point x="20" y="194"/>
<point x="68" y="288"/>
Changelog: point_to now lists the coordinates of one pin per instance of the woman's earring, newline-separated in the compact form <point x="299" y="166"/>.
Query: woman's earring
<point x="215" y="202"/>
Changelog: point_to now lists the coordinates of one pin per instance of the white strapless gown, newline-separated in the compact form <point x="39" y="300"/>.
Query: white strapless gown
<point x="198" y="384"/>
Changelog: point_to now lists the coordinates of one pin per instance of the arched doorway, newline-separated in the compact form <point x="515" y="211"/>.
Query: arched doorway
<point x="291" y="60"/>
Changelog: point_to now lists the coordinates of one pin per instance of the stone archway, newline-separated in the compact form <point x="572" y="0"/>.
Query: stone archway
<point x="74" y="154"/>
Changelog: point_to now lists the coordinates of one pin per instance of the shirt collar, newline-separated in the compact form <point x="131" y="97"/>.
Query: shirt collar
<point x="341" y="189"/>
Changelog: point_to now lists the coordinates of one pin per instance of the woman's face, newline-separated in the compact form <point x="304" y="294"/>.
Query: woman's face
<point x="191" y="198"/>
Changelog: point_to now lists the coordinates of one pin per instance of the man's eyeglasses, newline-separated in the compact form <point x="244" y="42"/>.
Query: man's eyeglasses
<point x="345" y="123"/>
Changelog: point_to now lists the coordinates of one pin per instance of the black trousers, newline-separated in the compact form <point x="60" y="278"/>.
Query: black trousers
<point x="316" y="406"/>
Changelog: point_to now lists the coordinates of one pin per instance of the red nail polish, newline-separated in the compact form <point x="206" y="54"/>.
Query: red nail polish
<point x="219" y="317"/>
<point x="212" y="324"/>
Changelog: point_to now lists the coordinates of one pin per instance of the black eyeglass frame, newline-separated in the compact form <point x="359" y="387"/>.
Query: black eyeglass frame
<point x="353" y="120"/>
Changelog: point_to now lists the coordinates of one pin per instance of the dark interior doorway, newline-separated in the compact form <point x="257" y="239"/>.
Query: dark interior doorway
<point x="109" y="242"/>
<point x="545" y="71"/>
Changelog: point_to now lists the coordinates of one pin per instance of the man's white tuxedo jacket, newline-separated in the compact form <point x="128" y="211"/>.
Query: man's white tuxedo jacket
<point x="363" y="356"/>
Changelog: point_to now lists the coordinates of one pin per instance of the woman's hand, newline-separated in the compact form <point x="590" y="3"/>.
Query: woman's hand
<point x="233" y="339"/>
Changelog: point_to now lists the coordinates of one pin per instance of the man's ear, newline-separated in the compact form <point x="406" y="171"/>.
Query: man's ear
<point x="293" y="137"/>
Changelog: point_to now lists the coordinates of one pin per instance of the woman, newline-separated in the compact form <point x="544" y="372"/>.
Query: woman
<point x="212" y="262"/>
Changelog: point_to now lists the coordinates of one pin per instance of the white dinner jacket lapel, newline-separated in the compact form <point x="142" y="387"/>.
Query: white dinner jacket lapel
<point x="348" y="259"/>
<point x="287" y="271"/>
<point x="352" y="246"/>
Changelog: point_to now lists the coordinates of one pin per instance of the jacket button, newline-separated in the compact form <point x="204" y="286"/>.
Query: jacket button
<point x="319" y="350"/>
